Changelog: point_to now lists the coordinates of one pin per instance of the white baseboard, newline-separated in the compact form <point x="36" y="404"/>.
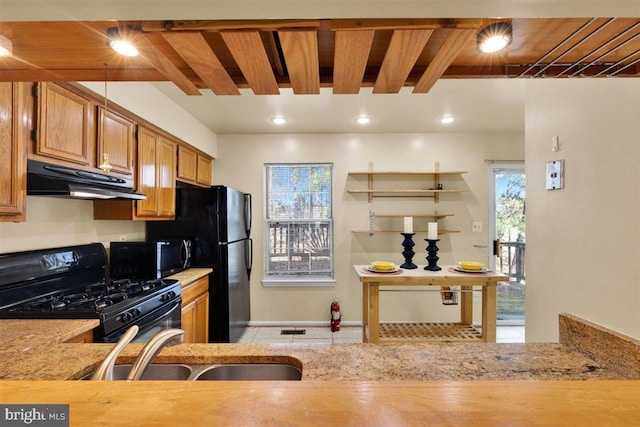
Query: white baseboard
<point x="300" y="323"/>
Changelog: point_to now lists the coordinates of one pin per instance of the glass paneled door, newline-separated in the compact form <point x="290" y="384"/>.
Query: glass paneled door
<point x="507" y="228"/>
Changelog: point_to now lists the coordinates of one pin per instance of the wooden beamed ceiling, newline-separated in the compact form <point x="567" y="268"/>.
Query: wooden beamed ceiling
<point x="305" y="55"/>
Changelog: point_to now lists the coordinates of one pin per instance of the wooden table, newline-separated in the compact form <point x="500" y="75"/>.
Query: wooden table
<point x="374" y="332"/>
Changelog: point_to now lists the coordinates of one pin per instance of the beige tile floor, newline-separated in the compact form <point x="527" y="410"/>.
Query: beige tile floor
<point x="347" y="334"/>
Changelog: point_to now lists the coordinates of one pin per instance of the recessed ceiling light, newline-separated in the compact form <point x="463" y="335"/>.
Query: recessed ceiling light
<point x="124" y="48"/>
<point x="494" y="37"/>
<point x="6" y="47"/>
<point x="363" y="120"/>
<point x="119" y="44"/>
<point x="446" y="120"/>
<point x="278" y="120"/>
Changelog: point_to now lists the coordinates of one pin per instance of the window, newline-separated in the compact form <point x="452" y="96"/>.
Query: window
<point x="299" y="224"/>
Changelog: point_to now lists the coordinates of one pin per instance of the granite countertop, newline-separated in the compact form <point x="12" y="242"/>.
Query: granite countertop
<point x="35" y="350"/>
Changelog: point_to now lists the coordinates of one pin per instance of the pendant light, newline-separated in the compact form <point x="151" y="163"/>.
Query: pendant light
<point x="105" y="166"/>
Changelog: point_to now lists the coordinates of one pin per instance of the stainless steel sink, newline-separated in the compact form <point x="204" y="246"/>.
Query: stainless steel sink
<point x="155" y="371"/>
<point x="250" y="372"/>
<point x="230" y="372"/>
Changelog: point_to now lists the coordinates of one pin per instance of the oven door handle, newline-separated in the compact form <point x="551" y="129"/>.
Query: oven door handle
<point x="153" y="317"/>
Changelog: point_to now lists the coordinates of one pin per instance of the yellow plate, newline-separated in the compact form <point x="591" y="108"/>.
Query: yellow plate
<point x="471" y="265"/>
<point x="382" y="265"/>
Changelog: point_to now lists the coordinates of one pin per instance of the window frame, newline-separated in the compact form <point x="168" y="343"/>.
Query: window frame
<point x="305" y="278"/>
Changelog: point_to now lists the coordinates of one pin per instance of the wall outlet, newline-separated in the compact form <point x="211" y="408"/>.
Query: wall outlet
<point x="476" y="227"/>
<point x="122" y="238"/>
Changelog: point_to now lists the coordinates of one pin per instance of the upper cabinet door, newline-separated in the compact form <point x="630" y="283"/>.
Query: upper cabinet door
<point x="166" y="189"/>
<point x="116" y="139"/>
<point x="204" y="170"/>
<point x="147" y="172"/>
<point x="187" y="164"/>
<point x="193" y="167"/>
<point x="12" y="155"/>
<point x="65" y="125"/>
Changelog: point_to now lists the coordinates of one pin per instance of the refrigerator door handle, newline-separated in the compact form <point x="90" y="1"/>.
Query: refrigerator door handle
<point x="247" y="213"/>
<point x="249" y="257"/>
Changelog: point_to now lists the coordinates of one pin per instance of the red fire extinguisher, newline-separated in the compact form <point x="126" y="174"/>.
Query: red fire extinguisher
<point x="335" y="316"/>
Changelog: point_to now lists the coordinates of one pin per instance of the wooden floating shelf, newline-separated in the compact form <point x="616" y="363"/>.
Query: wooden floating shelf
<point x="398" y="231"/>
<point x="414" y="216"/>
<point x="428" y="332"/>
<point x="405" y="191"/>
<point x="407" y="173"/>
<point x="436" y="186"/>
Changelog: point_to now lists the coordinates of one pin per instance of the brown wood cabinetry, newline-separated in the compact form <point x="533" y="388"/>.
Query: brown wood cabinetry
<point x="204" y="170"/>
<point x="195" y="311"/>
<point x="193" y="167"/>
<point x="116" y="138"/>
<point x="66" y="125"/>
<point x="187" y="164"/>
<point x="12" y="155"/>
<point x="156" y="178"/>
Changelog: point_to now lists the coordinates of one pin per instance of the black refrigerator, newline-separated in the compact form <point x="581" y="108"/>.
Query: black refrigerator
<point x="218" y="221"/>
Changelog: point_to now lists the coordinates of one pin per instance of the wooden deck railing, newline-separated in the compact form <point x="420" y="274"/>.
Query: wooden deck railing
<point x="511" y="259"/>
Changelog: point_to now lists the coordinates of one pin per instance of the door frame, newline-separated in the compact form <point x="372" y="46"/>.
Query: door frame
<point x="495" y="168"/>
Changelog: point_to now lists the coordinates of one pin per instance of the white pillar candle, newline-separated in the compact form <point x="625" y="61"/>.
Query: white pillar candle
<point x="408" y="224"/>
<point x="432" y="231"/>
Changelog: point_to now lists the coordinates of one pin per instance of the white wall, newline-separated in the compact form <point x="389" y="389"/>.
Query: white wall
<point x="240" y="165"/>
<point x="53" y="222"/>
<point x="583" y="242"/>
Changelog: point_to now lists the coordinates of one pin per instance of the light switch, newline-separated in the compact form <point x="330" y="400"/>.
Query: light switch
<point x="554" y="175"/>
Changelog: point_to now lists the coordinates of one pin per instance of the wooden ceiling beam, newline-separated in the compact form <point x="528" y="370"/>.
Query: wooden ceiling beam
<point x="402" y="24"/>
<point x="351" y="54"/>
<point x="248" y="51"/>
<point x="163" y="64"/>
<point x="74" y="75"/>
<point x="195" y="50"/>
<point x="225" y="25"/>
<point x="455" y="42"/>
<point x="300" y="50"/>
<point x="404" y="49"/>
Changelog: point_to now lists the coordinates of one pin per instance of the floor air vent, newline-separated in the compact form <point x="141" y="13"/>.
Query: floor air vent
<point x="293" y="331"/>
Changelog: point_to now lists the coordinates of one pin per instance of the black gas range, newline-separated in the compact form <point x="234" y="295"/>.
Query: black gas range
<point x="69" y="283"/>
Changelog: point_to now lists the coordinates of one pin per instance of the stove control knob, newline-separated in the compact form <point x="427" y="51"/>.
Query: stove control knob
<point x="126" y="317"/>
<point x="136" y="312"/>
<point x="168" y="296"/>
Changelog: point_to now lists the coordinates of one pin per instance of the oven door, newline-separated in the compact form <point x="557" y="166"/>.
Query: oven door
<point x="166" y="317"/>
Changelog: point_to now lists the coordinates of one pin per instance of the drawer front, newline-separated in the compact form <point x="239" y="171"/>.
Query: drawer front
<point x="192" y="291"/>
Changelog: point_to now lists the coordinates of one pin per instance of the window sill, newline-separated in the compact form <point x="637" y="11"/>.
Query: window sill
<point x="305" y="282"/>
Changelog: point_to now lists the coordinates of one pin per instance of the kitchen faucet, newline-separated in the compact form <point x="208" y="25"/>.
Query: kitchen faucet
<point x="164" y="338"/>
<point x="105" y="370"/>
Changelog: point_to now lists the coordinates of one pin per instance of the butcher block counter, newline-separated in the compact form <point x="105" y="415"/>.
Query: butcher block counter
<point x="218" y="403"/>
<point x="342" y="384"/>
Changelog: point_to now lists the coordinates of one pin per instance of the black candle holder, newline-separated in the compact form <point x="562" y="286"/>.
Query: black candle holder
<point x="408" y="251"/>
<point x="432" y="257"/>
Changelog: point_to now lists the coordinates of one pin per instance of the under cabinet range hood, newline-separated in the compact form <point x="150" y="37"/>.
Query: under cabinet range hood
<point x="45" y="179"/>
